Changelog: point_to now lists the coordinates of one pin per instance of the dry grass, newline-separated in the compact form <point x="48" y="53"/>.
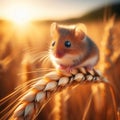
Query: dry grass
<point x="83" y="102"/>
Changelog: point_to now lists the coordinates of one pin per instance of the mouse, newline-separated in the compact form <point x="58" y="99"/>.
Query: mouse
<point x="71" y="47"/>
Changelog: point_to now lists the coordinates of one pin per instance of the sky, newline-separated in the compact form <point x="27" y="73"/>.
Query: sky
<point x="48" y="9"/>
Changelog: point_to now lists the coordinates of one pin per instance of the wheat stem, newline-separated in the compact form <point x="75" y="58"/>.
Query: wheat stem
<point x="29" y="105"/>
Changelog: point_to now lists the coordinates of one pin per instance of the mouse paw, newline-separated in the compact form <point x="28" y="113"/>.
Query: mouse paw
<point x="66" y="69"/>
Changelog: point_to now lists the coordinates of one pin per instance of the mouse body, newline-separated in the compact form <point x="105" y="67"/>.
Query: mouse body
<point x="72" y="48"/>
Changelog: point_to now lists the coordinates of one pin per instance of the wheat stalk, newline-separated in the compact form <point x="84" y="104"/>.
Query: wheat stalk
<point x="32" y="101"/>
<point x="29" y="105"/>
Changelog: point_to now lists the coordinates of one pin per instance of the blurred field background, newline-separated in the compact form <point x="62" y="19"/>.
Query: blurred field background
<point x="20" y="47"/>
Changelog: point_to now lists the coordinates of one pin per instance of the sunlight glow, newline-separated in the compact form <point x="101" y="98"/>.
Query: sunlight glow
<point x="19" y="14"/>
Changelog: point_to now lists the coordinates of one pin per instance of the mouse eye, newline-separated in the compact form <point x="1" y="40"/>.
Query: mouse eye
<point x="53" y="43"/>
<point x="67" y="44"/>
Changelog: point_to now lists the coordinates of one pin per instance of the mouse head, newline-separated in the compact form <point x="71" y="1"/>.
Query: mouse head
<point x="67" y="39"/>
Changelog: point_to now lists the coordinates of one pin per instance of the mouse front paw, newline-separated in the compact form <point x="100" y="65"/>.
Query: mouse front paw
<point x="66" y="69"/>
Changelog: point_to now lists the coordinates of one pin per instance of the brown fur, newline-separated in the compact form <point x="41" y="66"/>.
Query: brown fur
<point x="81" y="46"/>
<point x="62" y="33"/>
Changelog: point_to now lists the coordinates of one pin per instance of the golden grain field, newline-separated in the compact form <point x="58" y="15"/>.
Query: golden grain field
<point x="19" y="62"/>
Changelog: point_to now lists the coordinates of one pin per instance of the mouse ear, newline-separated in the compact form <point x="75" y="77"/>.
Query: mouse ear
<point x="80" y="31"/>
<point x="53" y="28"/>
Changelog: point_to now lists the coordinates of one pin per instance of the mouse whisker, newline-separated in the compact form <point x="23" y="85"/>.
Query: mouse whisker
<point x="39" y="56"/>
<point x="45" y="59"/>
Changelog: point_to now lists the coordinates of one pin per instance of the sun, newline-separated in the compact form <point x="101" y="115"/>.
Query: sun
<point x="19" y="14"/>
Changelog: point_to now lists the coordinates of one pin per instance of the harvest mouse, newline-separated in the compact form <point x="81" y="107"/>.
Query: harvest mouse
<point x="72" y="48"/>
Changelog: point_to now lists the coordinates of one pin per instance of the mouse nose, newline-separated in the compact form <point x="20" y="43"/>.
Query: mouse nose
<point x="59" y="54"/>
